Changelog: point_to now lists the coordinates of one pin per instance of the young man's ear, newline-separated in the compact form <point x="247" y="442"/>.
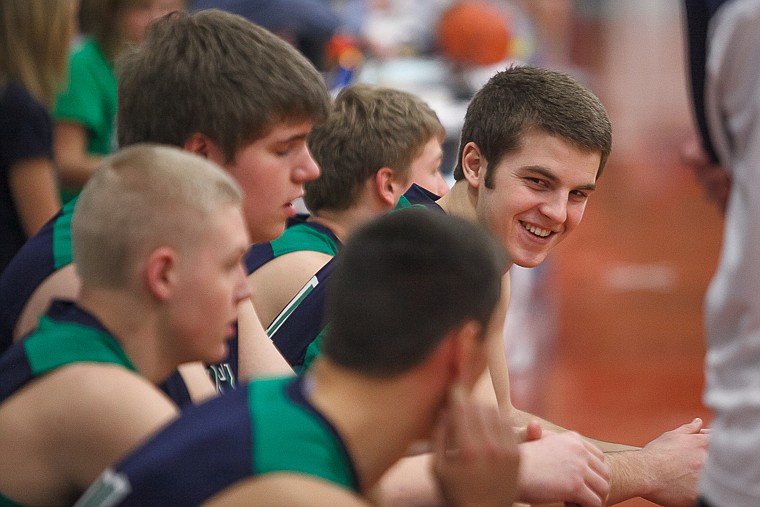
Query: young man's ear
<point x="159" y="274"/>
<point x="201" y="144"/>
<point x="474" y="164"/>
<point x="389" y="188"/>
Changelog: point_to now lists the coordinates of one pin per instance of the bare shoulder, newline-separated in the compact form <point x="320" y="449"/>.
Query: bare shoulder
<point x="286" y="489"/>
<point x="63" y="284"/>
<point x="81" y="418"/>
<point x="278" y="281"/>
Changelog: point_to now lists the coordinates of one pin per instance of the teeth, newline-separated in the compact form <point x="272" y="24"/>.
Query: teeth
<point x="536" y="230"/>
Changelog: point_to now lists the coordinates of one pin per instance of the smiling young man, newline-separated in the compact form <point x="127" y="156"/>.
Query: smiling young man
<point x="533" y="145"/>
<point x="218" y="86"/>
<point x="158" y="242"/>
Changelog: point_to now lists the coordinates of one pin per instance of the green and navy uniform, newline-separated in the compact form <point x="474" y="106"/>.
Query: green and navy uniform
<point x="50" y="250"/>
<point x="298" y="330"/>
<point x="66" y="335"/>
<point x="269" y="426"/>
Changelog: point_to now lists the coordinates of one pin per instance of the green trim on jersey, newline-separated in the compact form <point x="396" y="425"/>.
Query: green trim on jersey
<point x="403" y="203"/>
<point x="7" y="502"/>
<point x="62" y="252"/>
<point x="312" y="351"/>
<point x="283" y="431"/>
<point x="56" y="344"/>
<point x="301" y="237"/>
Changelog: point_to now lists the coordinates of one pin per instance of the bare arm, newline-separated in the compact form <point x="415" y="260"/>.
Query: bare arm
<point x="257" y="355"/>
<point x="75" y="165"/>
<point x="275" y="283"/>
<point x="198" y="382"/>
<point x="286" y="489"/>
<point x="35" y="193"/>
<point x="63" y="284"/>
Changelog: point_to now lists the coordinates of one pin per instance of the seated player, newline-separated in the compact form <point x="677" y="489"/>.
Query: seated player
<point x="533" y="145"/>
<point x="248" y="101"/>
<point x="325" y="438"/>
<point x="375" y="142"/>
<point x="158" y="240"/>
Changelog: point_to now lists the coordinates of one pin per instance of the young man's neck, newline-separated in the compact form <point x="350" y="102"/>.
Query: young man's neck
<point x="358" y="405"/>
<point x="460" y="201"/>
<point x="133" y="326"/>
<point x="343" y="223"/>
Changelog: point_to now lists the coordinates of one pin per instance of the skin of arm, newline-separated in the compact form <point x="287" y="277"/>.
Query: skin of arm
<point x="67" y="441"/>
<point x="63" y="284"/>
<point x="35" y="193"/>
<point x="257" y="355"/>
<point x="75" y="165"/>
<point x="664" y="471"/>
<point x="286" y="489"/>
<point x="275" y="283"/>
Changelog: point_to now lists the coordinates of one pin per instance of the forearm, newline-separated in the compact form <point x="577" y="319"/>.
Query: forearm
<point x="630" y="476"/>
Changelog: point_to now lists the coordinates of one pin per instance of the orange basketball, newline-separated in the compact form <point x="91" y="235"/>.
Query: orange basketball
<point x="473" y="33"/>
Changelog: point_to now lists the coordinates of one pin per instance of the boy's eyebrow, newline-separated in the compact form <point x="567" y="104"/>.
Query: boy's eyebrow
<point x="295" y="137"/>
<point x="548" y="174"/>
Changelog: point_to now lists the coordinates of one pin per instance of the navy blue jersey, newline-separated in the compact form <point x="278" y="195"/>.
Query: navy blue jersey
<point x="46" y="252"/>
<point x="269" y="426"/>
<point x="297" y="330"/>
<point x="67" y="334"/>
<point x="50" y="250"/>
<point x="299" y="235"/>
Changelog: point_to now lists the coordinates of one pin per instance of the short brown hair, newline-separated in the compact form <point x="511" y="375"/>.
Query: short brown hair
<point x="521" y="99"/>
<point x="214" y="73"/>
<point x="368" y="128"/>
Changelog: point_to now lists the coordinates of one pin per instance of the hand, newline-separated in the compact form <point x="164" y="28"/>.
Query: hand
<point x="476" y="458"/>
<point x="714" y="178"/>
<point x="675" y="459"/>
<point x="562" y="467"/>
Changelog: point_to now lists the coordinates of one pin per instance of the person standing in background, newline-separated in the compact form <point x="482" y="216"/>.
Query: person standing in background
<point x="34" y="37"/>
<point x="724" y="54"/>
<point x="85" y="111"/>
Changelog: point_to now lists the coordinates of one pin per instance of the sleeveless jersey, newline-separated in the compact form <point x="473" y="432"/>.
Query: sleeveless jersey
<point x="50" y="250"/>
<point x="298" y="329"/>
<point x="270" y="426"/>
<point x="299" y="235"/>
<point x="66" y="335"/>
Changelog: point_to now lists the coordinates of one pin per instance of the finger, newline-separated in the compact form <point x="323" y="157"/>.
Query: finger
<point x="533" y="431"/>
<point x="690" y="427"/>
<point x="598" y="482"/>
<point x="460" y="423"/>
<point x="594" y="450"/>
<point x="439" y="436"/>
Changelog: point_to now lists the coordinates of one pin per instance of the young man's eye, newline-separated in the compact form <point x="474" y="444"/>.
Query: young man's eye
<point x="579" y="194"/>
<point x="537" y="182"/>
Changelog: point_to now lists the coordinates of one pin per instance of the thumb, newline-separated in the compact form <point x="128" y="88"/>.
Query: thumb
<point x="692" y="427"/>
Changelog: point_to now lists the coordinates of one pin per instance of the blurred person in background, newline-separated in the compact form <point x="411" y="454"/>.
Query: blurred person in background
<point x="724" y="54"/>
<point x="34" y="37"/>
<point x="85" y="111"/>
<point x="306" y="24"/>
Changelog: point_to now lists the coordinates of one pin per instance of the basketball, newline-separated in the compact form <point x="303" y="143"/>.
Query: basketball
<point x="473" y="33"/>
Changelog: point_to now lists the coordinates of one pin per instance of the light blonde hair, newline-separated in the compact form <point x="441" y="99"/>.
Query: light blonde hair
<point x="140" y="198"/>
<point x="34" y="45"/>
